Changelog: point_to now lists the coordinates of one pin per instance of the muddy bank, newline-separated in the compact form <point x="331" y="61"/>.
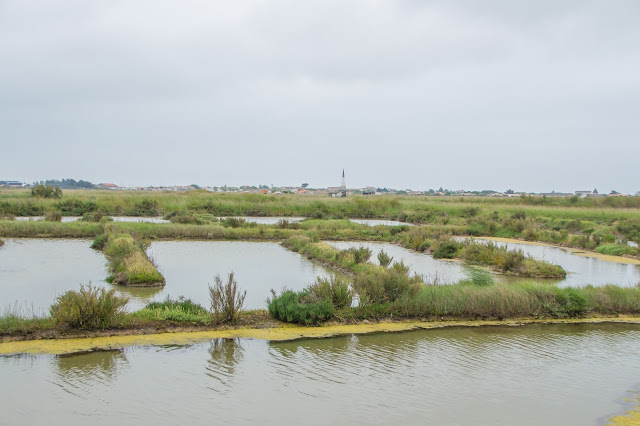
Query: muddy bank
<point x="271" y="331"/>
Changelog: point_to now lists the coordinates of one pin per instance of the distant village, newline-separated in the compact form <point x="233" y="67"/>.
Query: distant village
<point x="305" y="189"/>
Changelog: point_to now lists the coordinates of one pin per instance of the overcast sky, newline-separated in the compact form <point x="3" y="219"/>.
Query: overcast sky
<point x="528" y="95"/>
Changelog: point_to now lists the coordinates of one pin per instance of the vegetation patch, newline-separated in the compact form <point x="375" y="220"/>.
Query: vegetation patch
<point x="128" y="261"/>
<point x="89" y="308"/>
<point x="301" y="307"/>
<point x="616" y="250"/>
<point x="227" y="300"/>
<point x="179" y="310"/>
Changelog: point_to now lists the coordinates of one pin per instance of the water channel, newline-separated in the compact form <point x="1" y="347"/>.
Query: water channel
<point x="531" y="375"/>
<point x="34" y="271"/>
<point x="581" y="270"/>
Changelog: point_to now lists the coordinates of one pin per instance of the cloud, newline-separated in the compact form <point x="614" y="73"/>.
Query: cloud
<point x="401" y="93"/>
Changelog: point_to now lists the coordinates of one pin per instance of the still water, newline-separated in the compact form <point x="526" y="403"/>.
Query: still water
<point x="434" y="270"/>
<point x="377" y="222"/>
<point x="581" y="270"/>
<point x="190" y="266"/>
<point x="532" y="375"/>
<point x="34" y="271"/>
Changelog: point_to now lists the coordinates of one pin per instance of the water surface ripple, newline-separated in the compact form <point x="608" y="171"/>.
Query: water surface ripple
<point x="551" y="374"/>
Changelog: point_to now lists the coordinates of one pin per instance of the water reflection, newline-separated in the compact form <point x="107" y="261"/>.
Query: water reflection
<point x="79" y="373"/>
<point x="538" y="374"/>
<point x="226" y="354"/>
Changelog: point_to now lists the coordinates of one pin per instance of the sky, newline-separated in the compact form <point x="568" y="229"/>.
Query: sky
<point x="529" y="95"/>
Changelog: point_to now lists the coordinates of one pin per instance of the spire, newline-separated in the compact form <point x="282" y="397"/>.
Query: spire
<point x="344" y="185"/>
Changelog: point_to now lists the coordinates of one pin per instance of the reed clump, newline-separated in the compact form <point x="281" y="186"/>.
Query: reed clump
<point x="53" y="216"/>
<point x="227" y="300"/>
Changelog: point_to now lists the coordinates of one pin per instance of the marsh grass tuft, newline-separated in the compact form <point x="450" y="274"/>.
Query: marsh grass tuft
<point x="333" y="289"/>
<point x="88" y="308"/>
<point x="384" y="259"/>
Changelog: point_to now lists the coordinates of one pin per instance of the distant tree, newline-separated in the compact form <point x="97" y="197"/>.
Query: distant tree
<point x="195" y="186"/>
<point x="614" y="192"/>
<point x="509" y="191"/>
<point x="440" y="190"/>
<point x="638" y="194"/>
<point x="304" y="185"/>
<point x="46" y="191"/>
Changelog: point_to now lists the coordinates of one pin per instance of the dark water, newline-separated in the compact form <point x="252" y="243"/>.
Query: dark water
<point x="533" y="375"/>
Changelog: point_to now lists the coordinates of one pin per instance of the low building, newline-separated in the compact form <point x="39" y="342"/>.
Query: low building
<point x="107" y="186"/>
<point x="369" y="190"/>
<point x="10" y="184"/>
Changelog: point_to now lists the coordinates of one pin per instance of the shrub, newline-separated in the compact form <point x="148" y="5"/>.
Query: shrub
<point x="384" y="259"/>
<point x="360" y="254"/>
<point x="234" y="222"/>
<point x="285" y="224"/>
<point x="46" y="191"/>
<point x="447" y="250"/>
<point x="333" y="289"/>
<point x="300" y="308"/>
<point x="96" y="216"/>
<point x="145" y="207"/>
<point x="100" y="242"/>
<point x="382" y="285"/>
<point x="615" y="249"/>
<point x="53" y="216"/>
<point x="226" y="299"/>
<point x="89" y="308"/>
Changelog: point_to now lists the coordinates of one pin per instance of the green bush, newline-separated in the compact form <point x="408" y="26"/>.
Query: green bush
<point x="447" y="250"/>
<point x="300" y="308"/>
<point x="333" y="289"/>
<point x="46" y="191"/>
<point x="384" y="259"/>
<point x="234" y="222"/>
<point x="97" y="216"/>
<point x="360" y="254"/>
<point x="146" y="207"/>
<point x="616" y="249"/>
<point x="53" y="216"/>
<point x="89" y="308"/>
<point x="100" y="242"/>
<point x="382" y="285"/>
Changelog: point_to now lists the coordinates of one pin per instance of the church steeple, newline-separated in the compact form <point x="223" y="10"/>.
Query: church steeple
<point x="344" y="185"/>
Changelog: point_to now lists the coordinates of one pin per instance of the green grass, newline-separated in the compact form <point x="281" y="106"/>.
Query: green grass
<point x="18" y="319"/>
<point x="617" y="249"/>
<point x="582" y="223"/>
<point x="128" y="262"/>
<point x="178" y="310"/>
